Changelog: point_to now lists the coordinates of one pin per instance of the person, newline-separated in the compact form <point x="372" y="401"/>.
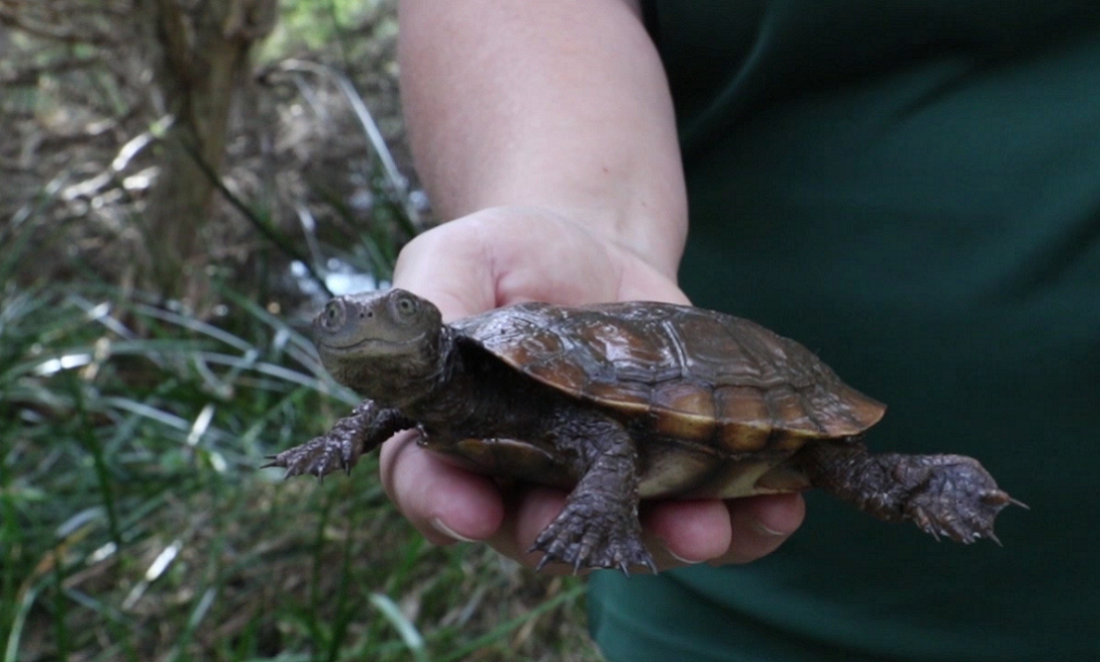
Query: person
<point x="910" y="189"/>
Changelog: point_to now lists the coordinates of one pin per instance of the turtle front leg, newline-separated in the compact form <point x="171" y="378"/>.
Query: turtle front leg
<point x="599" y="526"/>
<point x="339" y="448"/>
<point x="944" y="495"/>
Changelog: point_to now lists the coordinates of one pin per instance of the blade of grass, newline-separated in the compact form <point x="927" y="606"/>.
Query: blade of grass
<point x="61" y="604"/>
<point x="504" y="628"/>
<point x="405" y="628"/>
<point x="86" y="433"/>
<point x="11" y="653"/>
<point x="344" y="615"/>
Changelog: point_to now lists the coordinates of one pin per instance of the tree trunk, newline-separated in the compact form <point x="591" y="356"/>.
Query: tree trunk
<point x="199" y="54"/>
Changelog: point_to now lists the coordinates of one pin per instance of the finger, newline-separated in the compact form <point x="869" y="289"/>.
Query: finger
<point x="759" y="525"/>
<point x="530" y="510"/>
<point x="443" y="502"/>
<point x="699" y="530"/>
<point x="445" y="266"/>
<point x="690" y="531"/>
<point x="676" y="533"/>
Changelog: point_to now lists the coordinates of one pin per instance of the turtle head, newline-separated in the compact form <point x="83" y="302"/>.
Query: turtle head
<point x="388" y="346"/>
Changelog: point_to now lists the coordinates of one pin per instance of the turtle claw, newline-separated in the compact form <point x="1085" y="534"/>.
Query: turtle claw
<point x="959" y="500"/>
<point x="339" y="448"/>
<point x="317" y="457"/>
<point x="586" y="536"/>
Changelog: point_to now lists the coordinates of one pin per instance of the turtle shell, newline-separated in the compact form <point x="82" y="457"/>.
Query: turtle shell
<point x="695" y="376"/>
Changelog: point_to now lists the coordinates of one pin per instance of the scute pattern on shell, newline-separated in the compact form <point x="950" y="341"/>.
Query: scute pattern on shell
<point x="700" y="375"/>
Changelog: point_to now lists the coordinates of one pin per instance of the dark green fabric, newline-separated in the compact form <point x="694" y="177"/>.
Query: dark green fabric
<point x="911" y="189"/>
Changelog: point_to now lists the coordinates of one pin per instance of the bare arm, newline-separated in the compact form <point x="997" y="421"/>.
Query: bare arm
<point x="559" y="104"/>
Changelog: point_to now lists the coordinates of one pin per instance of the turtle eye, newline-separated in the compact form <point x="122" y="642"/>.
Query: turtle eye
<point x="406" y="306"/>
<point x="332" y="312"/>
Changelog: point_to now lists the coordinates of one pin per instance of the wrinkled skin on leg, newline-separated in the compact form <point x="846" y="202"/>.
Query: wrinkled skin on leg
<point x="944" y="495"/>
<point x="362" y="431"/>
<point x="599" y="526"/>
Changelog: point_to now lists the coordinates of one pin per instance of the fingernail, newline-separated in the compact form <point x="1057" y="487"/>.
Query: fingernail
<point x="438" y="525"/>
<point x="759" y="527"/>
<point x="680" y="558"/>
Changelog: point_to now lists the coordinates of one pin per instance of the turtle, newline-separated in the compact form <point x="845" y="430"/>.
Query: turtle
<point x="619" y="402"/>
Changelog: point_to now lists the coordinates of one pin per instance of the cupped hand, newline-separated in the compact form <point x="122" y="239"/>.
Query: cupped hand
<point x="502" y="256"/>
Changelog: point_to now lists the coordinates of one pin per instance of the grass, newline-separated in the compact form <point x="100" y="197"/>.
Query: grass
<point x="134" y="524"/>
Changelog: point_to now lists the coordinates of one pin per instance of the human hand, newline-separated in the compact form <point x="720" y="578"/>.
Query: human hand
<point x="502" y="256"/>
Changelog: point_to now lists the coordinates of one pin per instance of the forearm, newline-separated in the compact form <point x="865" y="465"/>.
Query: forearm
<point x="550" y="103"/>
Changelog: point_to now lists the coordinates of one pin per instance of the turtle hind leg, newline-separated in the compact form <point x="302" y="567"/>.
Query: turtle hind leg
<point x="944" y="495"/>
<point x="599" y="526"/>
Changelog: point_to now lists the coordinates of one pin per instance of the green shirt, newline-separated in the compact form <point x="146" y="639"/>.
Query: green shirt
<point x="912" y="190"/>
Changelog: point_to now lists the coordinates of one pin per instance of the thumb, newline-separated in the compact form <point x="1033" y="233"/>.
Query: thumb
<point x="448" y="269"/>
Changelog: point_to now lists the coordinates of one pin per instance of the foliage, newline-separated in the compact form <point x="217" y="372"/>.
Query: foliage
<point x="317" y="23"/>
<point x="134" y="523"/>
<point x="86" y="142"/>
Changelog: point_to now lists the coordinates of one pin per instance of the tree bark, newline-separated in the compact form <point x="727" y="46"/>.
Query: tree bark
<point x="199" y="56"/>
